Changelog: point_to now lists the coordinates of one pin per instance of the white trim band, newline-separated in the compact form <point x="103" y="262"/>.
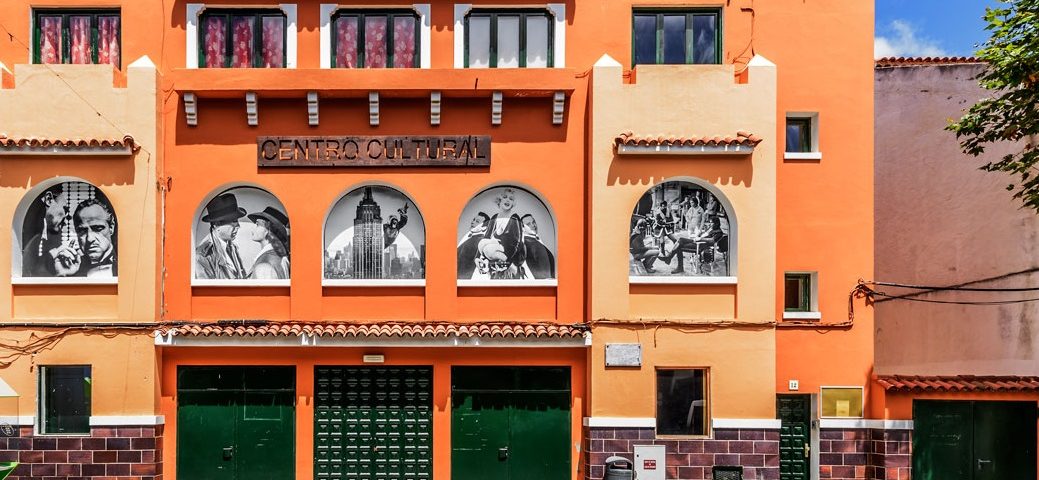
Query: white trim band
<point x="803" y="155"/>
<point x="863" y="423"/>
<point x="620" y="422"/>
<point x="802" y="316"/>
<point x="746" y="423"/>
<point x="126" y="420"/>
<point x="336" y="282"/>
<point x="661" y="280"/>
<point x="245" y="282"/>
<point x="551" y="282"/>
<point x="64" y="281"/>
<point x="19" y="421"/>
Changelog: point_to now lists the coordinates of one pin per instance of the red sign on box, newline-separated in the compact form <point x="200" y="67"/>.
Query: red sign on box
<point x="649" y="464"/>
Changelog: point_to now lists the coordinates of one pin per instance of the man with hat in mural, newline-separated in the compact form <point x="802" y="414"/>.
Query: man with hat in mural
<point x="272" y="233"/>
<point x="217" y="256"/>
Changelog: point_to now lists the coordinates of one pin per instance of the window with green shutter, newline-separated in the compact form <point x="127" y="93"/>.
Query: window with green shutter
<point x="676" y="36"/>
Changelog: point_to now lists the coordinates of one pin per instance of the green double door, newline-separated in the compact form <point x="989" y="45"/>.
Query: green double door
<point x="373" y="423"/>
<point x="510" y="423"/>
<point x="236" y="423"/>
<point x="974" y="440"/>
<point x="794" y="412"/>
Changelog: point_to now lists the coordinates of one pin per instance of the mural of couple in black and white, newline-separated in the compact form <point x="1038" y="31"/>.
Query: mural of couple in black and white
<point x="242" y="233"/>
<point x="69" y="230"/>
<point x="506" y="233"/>
<point x="679" y="229"/>
<point x="375" y="232"/>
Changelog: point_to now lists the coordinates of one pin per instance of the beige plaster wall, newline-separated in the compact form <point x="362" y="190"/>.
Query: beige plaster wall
<point x="687" y="100"/>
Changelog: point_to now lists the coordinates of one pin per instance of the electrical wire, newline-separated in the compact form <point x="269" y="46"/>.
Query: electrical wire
<point x="952" y="288"/>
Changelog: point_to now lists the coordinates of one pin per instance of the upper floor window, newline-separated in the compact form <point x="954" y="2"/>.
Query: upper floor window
<point x="676" y="37"/>
<point x="798" y="134"/>
<point x="76" y="36"/>
<point x="512" y="38"/>
<point x="239" y="38"/>
<point x="375" y="39"/>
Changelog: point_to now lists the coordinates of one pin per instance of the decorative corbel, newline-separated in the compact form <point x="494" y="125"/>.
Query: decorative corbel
<point x="191" y="109"/>
<point x="312" y="112"/>
<point x="373" y="109"/>
<point x="434" y="108"/>
<point x="558" y="107"/>
<point x="496" y="100"/>
<point x="251" y="114"/>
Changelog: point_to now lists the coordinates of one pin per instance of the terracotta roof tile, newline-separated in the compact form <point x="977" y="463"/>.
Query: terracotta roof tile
<point x="279" y="329"/>
<point x="740" y="139"/>
<point x="958" y="383"/>
<point x="923" y="61"/>
<point x="67" y="143"/>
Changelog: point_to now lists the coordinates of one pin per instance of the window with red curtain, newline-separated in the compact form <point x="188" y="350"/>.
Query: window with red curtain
<point x="77" y="37"/>
<point x="241" y="38"/>
<point x="375" y="39"/>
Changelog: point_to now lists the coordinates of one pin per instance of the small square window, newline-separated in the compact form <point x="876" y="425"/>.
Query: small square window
<point x="676" y="37"/>
<point x="65" y="399"/>
<point x="375" y="39"/>
<point x="509" y="38"/>
<point x="841" y="402"/>
<point x="242" y="38"/>
<point x="797" y="292"/>
<point x="89" y="36"/>
<point x="798" y="135"/>
<point x="682" y="401"/>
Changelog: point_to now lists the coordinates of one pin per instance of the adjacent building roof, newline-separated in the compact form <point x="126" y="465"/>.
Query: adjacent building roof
<point x="888" y="62"/>
<point x="395" y="329"/>
<point x="958" y="383"/>
<point x="741" y="138"/>
<point x="78" y="146"/>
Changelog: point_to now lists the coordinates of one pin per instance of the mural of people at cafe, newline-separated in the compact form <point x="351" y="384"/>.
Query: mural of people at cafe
<point x="679" y="229"/>
<point x="506" y="233"/>
<point x="242" y="233"/>
<point x="375" y="232"/>
<point x="69" y="230"/>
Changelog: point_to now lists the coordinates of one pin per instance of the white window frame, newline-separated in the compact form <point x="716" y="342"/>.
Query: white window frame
<point x="813" y="297"/>
<point x="194" y="15"/>
<point x="328" y="10"/>
<point x="558" y="11"/>
<point x="815" y="154"/>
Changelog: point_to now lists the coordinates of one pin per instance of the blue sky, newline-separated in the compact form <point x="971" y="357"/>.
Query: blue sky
<point x="928" y="28"/>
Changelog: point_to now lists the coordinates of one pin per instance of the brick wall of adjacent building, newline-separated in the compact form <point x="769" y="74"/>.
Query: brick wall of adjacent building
<point x="688" y="459"/>
<point x="864" y="454"/>
<point x="109" y="453"/>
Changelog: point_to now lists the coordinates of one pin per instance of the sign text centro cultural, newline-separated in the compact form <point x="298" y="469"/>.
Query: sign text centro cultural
<point x="374" y="151"/>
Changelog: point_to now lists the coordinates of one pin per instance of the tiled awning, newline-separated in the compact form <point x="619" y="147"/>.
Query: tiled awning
<point x="958" y="383"/>
<point x="742" y="143"/>
<point x="388" y="334"/>
<point x="67" y="146"/>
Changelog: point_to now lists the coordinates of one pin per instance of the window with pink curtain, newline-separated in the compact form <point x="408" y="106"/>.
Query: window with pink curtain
<point x="80" y="50"/>
<point x="346" y="42"/>
<point x="215" y="28"/>
<point x="242" y="42"/>
<point x="108" y="51"/>
<point x="50" y="39"/>
<point x="403" y="42"/>
<point x="273" y="42"/>
<point x="375" y="51"/>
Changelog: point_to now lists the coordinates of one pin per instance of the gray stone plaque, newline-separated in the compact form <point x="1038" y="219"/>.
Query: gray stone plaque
<point x="623" y="355"/>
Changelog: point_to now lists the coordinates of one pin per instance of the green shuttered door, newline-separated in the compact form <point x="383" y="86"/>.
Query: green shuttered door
<point x="510" y="423"/>
<point x="373" y="423"/>
<point x="974" y="440"/>
<point x="794" y="436"/>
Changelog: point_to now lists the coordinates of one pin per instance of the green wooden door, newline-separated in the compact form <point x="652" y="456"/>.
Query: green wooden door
<point x="794" y="412"/>
<point x="373" y="423"/>
<point x="510" y="423"/>
<point x="236" y="423"/>
<point x="974" y="440"/>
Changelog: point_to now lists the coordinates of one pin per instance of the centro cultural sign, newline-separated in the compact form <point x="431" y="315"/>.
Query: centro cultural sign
<point x="374" y="151"/>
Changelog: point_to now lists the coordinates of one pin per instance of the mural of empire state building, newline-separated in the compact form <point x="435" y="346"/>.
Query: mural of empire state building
<point x="368" y="241"/>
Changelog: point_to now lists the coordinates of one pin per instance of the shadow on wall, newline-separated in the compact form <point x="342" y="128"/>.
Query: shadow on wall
<point x="648" y="170"/>
<point x="101" y="171"/>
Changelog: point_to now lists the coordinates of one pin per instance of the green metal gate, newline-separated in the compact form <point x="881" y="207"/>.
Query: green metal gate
<point x="974" y="440"/>
<point x="794" y="412"/>
<point x="510" y="423"/>
<point x="373" y="423"/>
<point x="236" y="423"/>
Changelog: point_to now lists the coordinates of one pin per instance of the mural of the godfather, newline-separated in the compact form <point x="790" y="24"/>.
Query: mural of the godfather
<point x="69" y="230"/>
<point x="242" y="233"/>
<point x="506" y="233"/>
<point x="679" y="229"/>
<point x="375" y="232"/>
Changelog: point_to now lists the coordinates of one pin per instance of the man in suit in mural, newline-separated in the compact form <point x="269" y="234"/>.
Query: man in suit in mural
<point x="468" y="246"/>
<point x="217" y="256"/>
<point x="95" y="229"/>
<point x="540" y="261"/>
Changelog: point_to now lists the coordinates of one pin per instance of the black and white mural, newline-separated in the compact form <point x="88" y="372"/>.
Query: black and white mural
<point x="374" y="232"/>
<point x="506" y="233"/>
<point x="679" y="229"/>
<point x="69" y="230"/>
<point x="242" y="233"/>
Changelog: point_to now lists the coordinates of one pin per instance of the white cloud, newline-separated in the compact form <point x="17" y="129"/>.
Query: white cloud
<point x="904" y="42"/>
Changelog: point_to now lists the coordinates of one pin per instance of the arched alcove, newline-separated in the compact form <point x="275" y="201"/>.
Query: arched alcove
<point x="241" y="234"/>
<point x="507" y="232"/>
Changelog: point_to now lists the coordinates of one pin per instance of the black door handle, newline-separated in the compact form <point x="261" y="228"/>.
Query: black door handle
<point x="503" y="453"/>
<point x="228" y="453"/>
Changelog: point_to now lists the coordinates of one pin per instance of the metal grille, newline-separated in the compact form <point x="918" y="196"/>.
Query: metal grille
<point x="720" y="472"/>
<point x="373" y="423"/>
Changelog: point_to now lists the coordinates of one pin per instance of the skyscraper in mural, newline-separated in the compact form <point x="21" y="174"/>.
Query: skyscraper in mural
<point x="368" y="242"/>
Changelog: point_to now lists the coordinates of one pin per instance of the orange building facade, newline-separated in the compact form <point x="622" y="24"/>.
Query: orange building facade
<point x="388" y="241"/>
